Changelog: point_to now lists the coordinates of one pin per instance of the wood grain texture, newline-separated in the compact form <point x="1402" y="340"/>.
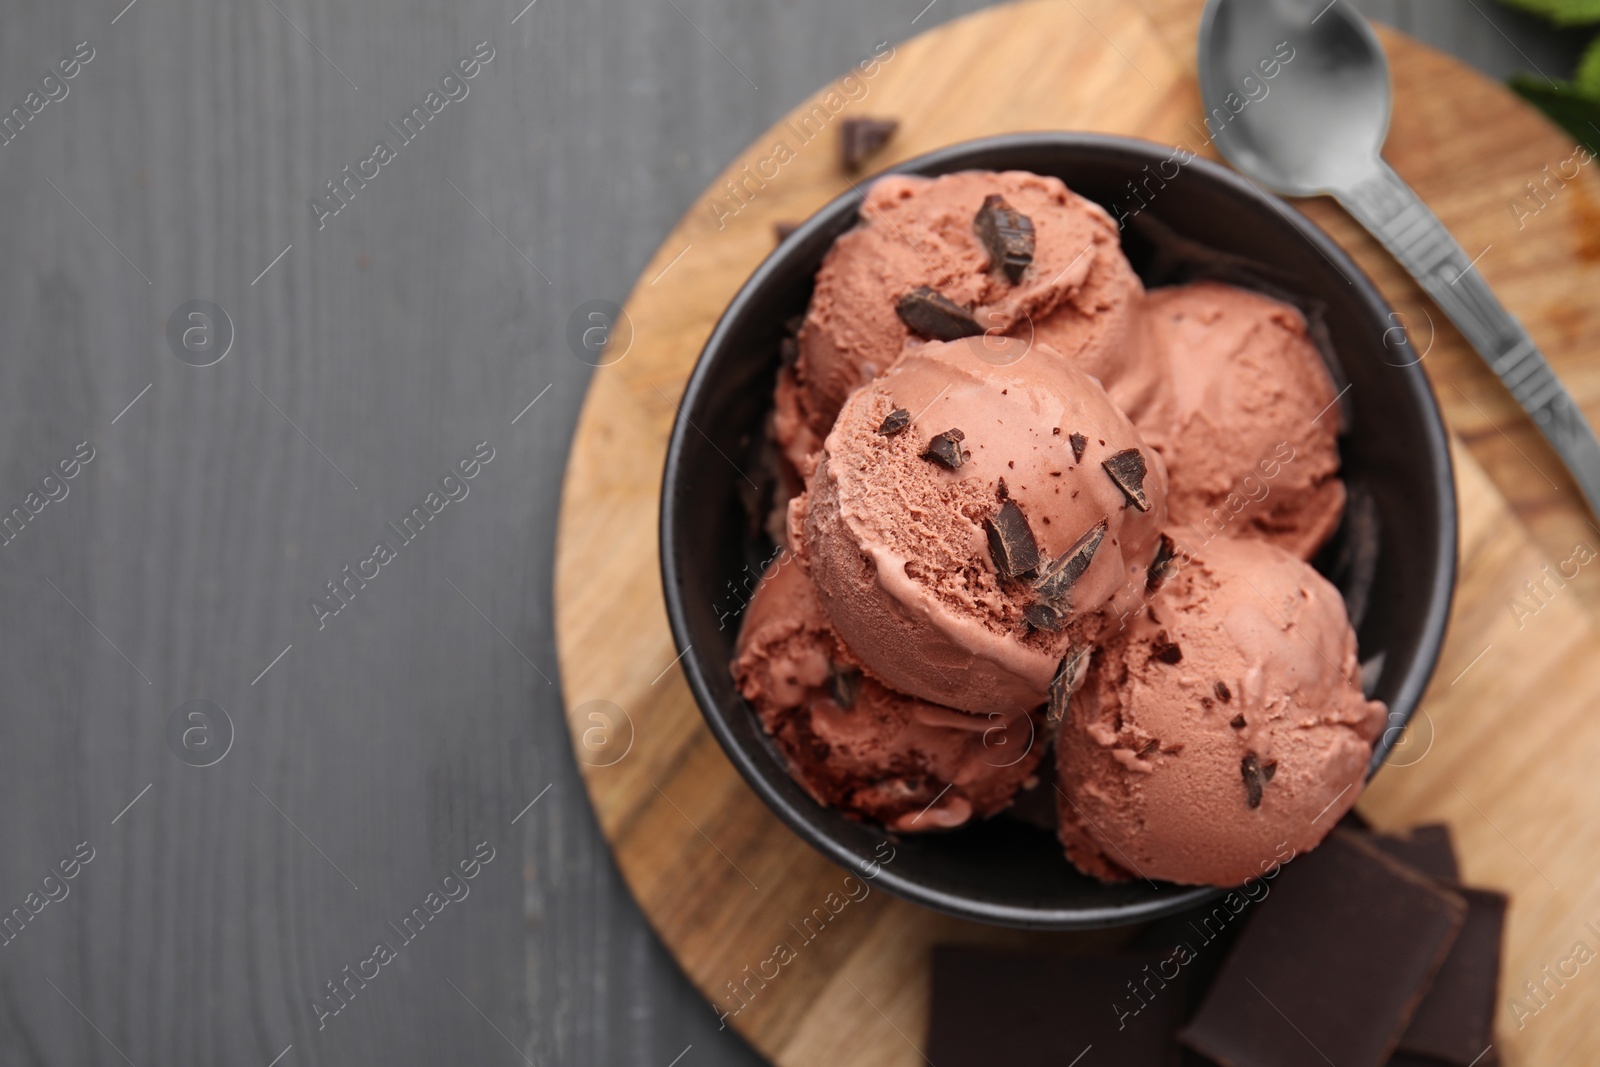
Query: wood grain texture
<point x="1502" y="739"/>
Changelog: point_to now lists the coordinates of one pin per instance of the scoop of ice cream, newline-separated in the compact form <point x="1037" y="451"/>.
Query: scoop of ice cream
<point x="921" y="232"/>
<point x="1222" y="727"/>
<point x="974" y="513"/>
<point x="1250" y="441"/>
<point x="857" y="745"/>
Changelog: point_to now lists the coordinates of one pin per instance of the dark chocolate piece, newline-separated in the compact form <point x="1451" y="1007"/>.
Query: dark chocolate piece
<point x="1044" y="1009"/>
<point x="1224" y="694"/>
<point x="935" y="316"/>
<point x="1255" y="775"/>
<point x="860" y="138"/>
<point x="1007" y="234"/>
<point x="1060" y="576"/>
<point x="1165" y="551"/>
<point x="782" y="230"/>
<point x="1332" y="965"/>
<point x="1165" y="650"/>
<point x="1043" y="617"/>
<point x="1070" y="672"/>
<point x="1426" y="848"/>
<point x="844" y="683"/>
<point x="1011" y="544"/>
<point x="1237" y="722"/>
<point x="1455" y="1021"/>
<point x="894" y="422"/>
<point x="1127" y="469"/>
<point x="1079" y="443"/>
<point x="945" y="449"/>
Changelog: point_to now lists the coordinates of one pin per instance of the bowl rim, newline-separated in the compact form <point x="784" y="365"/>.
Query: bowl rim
<point x="969" y="155"/>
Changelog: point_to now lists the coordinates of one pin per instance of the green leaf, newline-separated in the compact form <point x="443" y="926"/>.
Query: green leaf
<point x="1567" y="105"/>
<point x="1564" y="12"/>
<point x="1588" y="77"/>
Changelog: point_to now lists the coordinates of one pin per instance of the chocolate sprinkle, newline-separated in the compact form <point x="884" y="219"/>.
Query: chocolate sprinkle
<point x="1059" y="577"/>
<point x="894" y="422"/>
<point x="859" y="138"/>
<point x="1069" y="676"/>
<point x="1224" y="694"/>
<point x="935" y="316"/>
<point x="1079" y="443"/>
<point x="1238" y="722"/>
<point x="1011" y="544"/>
<point x="1127" y="469"/>
<point x="1165" y="650"/>
<point x="1006" y="233"/>
<point x="843" y="685"/>
<point x="1042" y="617"/>
<point x="1165" y="551"/>
<point x="945" y="449"/>
<point x="1255" y="776"/>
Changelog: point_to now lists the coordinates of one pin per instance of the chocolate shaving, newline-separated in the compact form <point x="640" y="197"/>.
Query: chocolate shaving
<point x="1043" y="617"/>
<point x="1165" y="650"/>
<point x="1079" y="443"/>
<point x="1224" y="694"/>
<point x="1150" y="749"/>
<point x="1255" y="776"/>
<point x="1006" y="233"/>
<point x="1237" y="722"/>
<point x="945" y="449"/>
<point x="894" y="422"/>
<point x="1157" y="574"/>
<point x="1059" y="577"/>
<point x="935" y="316"/>
<point x="1127" y="469"/>
<point x="1069" y="676"/>
<point x="1011" y="544"/>
<point x="860" y="138"/>
<point x="843" y="685"/>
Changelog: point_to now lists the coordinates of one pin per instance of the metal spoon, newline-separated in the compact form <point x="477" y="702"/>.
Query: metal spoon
<point x="1316" y="128"/>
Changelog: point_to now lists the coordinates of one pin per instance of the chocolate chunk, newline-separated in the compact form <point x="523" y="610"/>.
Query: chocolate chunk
<point x="1043" y="617"/>
<point x="1029" y="1008"/>
<point x="860" y="138"/>
<point x="1224" y="694"/>
<point x="782" y="230"/>
<point x="1332" y="964"/>
<point x="844" y="683"/>
<point x="1166" y="651"/>
<point x="1237" y="722"/>
<point x="1157" y="574"/>
<point x="1424" y="848"/>
<point x="1079" y="443"/>
<point x="1455" y="1021"/>
<point x="1070" y="672"/>
<point x="945" y="449"/>
<point x="894" y="422"/>
<point x="1011" y="544"/>
<point x="1006" y="233"/>
<point x="1059" y="577"/>
<point x="935" y="316"/>
<point x="1255" y="775"/>
<point x="1127" y="470"/>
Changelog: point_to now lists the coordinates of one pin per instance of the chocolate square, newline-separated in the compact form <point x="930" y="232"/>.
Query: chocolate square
<point x="1332" y="965"/>
<point x="1455" y="1021"/>
<point x="1035" y="1009"/>
<point x="1426" y="848"/>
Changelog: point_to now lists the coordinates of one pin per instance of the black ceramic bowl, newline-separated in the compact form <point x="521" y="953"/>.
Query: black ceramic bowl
<point x="1393" y="559"/>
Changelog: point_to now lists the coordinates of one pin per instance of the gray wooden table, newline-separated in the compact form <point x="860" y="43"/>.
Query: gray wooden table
<point x="241" y="748"/>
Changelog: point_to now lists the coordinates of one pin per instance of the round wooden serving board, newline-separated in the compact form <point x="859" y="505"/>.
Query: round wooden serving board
<point x="1503" y="746"/>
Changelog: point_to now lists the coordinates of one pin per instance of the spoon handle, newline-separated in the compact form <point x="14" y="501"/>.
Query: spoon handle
<point x="1397" y="217"/>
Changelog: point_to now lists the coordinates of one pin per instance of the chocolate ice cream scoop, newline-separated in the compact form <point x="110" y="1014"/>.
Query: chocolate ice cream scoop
<point x="1223" y="728"/>
<point x="965" y="556"/>
<point x="859" y="746"/>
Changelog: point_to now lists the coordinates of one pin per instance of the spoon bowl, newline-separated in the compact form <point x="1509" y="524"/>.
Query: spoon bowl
<point x="1320" y="124"/>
